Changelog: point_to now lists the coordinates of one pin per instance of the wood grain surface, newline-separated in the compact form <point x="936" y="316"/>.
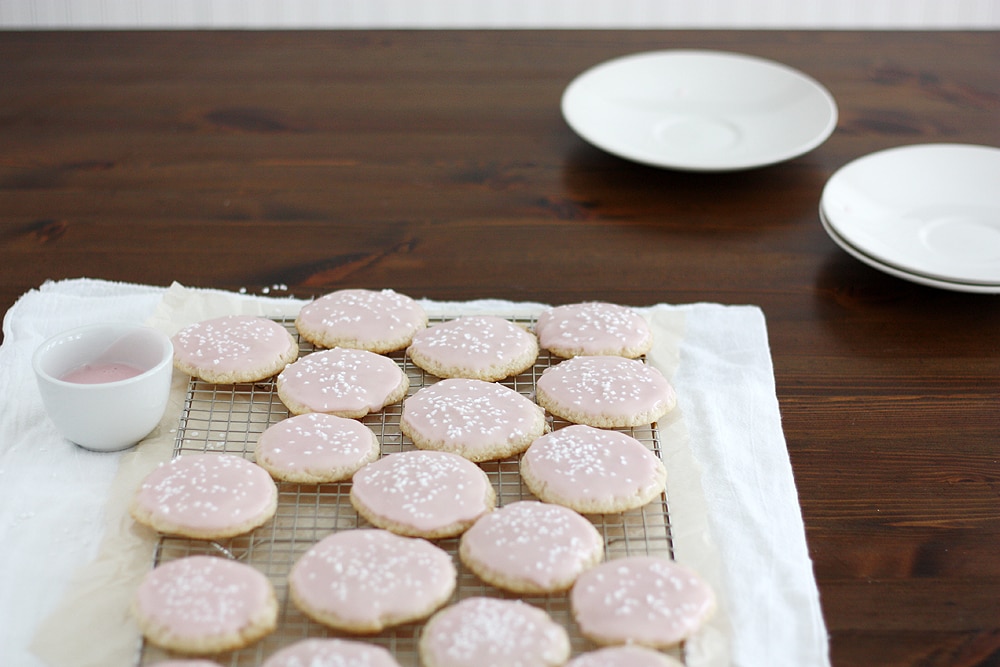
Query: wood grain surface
<point x="438" y="163"/>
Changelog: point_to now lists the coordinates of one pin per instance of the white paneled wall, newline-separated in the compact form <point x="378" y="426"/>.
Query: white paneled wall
<point x="294" y="14"/>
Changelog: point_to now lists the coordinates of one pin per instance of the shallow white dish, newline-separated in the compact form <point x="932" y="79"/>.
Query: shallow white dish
<point x="928" y="209"/>
<point x="112" y="414"/>
<point x="699" y="110"/>
<point x="900" y="273"/>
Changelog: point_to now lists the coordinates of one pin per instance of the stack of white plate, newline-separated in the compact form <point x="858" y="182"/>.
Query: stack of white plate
<point x="928" y="213"/>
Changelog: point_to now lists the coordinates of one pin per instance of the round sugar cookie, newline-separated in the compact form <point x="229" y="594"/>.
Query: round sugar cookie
<point x="205" y="496"/>
<point x="531" y="547"/>
<point x="479" y="420"/>
<point x="593" y="328"/>
<point x="624" y="656"/>
<point x="343" y="382"/>
<point x="331" y="653"/>
<point x="592" y="470"/>
<point x="364" y="580"/>
<point x="643" y="600"/>
<point x="606" y="392"/>
<point x="375" y="320"/>
<point x="192" y="662"/>
<point x="422" y="493"/>
<point x="233" y="348"/>
<point x="316" y="448"/>
<point x="205" y="604"/>
<point x="489" y="631"/>
<point x="481" y="347"/>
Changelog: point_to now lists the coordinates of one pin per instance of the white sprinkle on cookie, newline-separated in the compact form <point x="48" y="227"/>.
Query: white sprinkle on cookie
<point x="205" y="496"/>
<point x="482" y="421"/>
<point x="605" y="392"/>
<point x="379" y="321"/>
<point x="365" y="580"/>
<point x="592" y="470"/>
<point x="316" y="448"/>
<point x="531" y="547"/>
<point x="481" y="347"/>
<point x="489" y="631"/>
<point x="331" y="653"/>
<point x="422" y="493"/>
<point x="593" y="328"/>
<point x="205" y="604"/>
<point x="343" y="382"/>
<point x="645" y="600"/>
<point x="233" y="348"/>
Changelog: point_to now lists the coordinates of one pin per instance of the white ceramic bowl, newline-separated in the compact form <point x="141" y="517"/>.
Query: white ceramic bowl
<point x="105" y="415"/>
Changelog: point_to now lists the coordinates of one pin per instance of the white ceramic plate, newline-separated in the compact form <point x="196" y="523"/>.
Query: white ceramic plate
<point x="927" y="209"/>
<point x="699" y="110"/>
<point x="900" y="273"/>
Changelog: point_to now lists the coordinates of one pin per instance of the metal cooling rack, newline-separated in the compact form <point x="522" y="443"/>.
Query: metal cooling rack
<point x="230" y="418"/>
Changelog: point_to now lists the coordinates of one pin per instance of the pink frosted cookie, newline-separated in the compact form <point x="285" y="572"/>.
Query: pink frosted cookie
<point x="422" y="493"/>
<point x="482" y="421"/>
<point x="594" y="328"/>
<point x="342" y="382"/>
<point x="234" y="348"/>
<point x="624" y="656"/>
<point x="478" y="347"/>
<point x="642" y="600"/>
<point x="488" y="631"/>
<point x="331" y="653"/>
<point x="365" y="580"/>
<point x="592" y="470"/>
<point x="606" y="392"/>
<point x="205" y="604"/>
<point x="531" y="547"/>
<point x="377" y="321"/>
<point x="316" y="448"/>
<point x="205" y="496"/>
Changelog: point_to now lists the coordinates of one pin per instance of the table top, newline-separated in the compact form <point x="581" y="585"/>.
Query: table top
<point x="438" y="163"/>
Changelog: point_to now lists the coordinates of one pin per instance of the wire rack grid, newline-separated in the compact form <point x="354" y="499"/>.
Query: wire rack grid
<point x="230" y="419"/>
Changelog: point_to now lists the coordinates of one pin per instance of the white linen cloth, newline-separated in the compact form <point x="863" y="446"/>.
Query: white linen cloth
<point x="52" y="493"/>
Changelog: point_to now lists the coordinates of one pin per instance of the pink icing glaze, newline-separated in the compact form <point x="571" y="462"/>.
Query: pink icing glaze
<point x="364" y="576"/>
<point x="331" y="653"/>
<point x="203" y="596"/>
<point x="423" y="489"/>
<point x="207" y="492"/>
<point x="365" y="316"/>
<point x="471" y="415"/>
<point x="624" y="656"/>
<point x="536" y="542"/>
<point x="341" y="380"/>
<point x="99" y="373"/>
<point x="489" y="631"/>
<point x="593" y="327"/>
<point x="585" y="462"/>
<point x="478" y="343"/>
<point x="231" y="343"/>
<point x="315" y="441"/>
<point x="613" y="387"/>
<point x="650" y="601"/>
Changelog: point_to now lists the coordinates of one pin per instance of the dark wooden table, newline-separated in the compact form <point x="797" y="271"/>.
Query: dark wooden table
<point x="438" y="163"/>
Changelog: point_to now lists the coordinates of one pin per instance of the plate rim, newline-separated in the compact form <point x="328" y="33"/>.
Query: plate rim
<point x="911" y="268"/>
<point x="928" y="281"/>
<point x="822" y="92"/>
